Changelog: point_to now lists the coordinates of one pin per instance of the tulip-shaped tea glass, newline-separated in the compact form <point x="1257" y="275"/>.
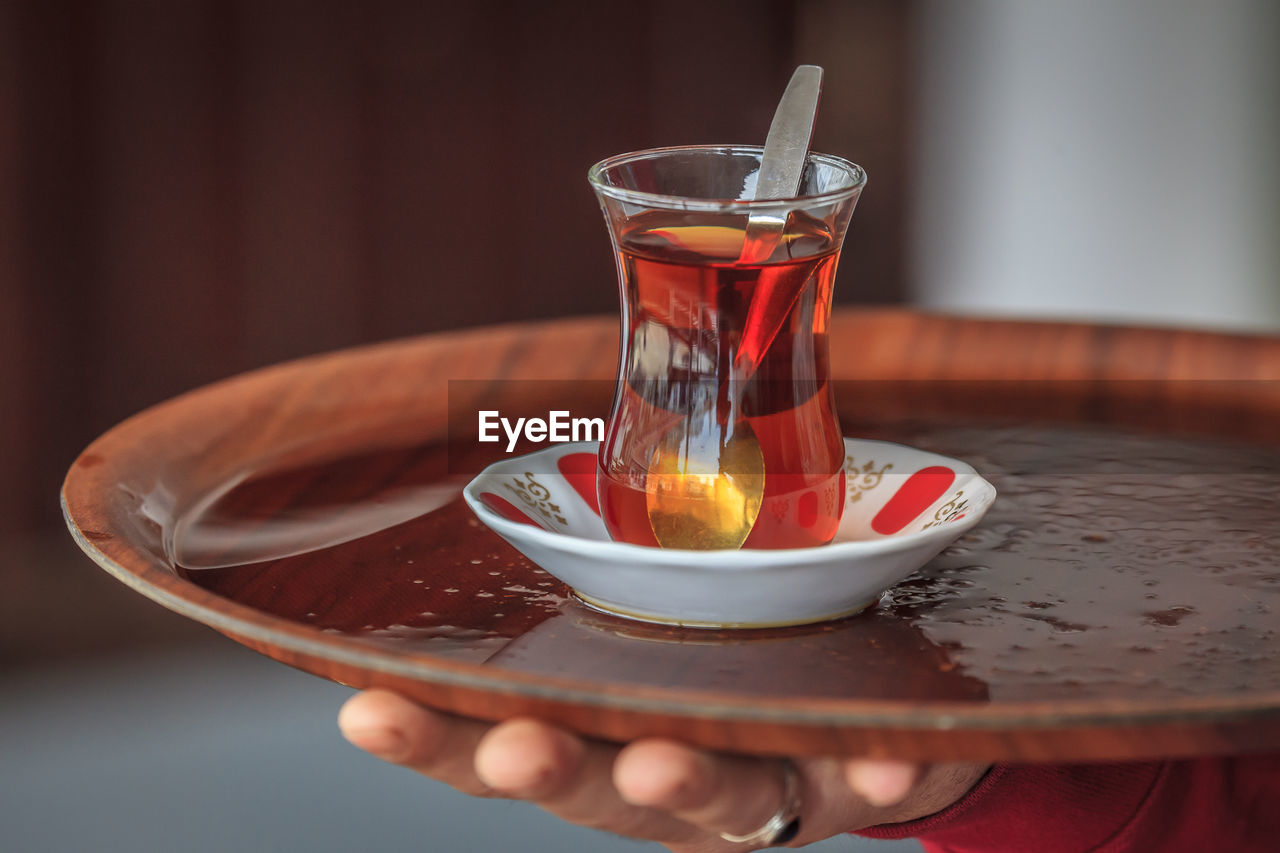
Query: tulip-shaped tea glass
<point x="723" y="431"/>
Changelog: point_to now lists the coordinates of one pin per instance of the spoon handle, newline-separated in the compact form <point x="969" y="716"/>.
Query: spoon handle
<point x="787" y="145"/>
<point x="781" y="168"/>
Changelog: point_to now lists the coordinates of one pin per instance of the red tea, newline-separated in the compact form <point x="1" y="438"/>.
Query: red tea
<point x="750" y="337"/>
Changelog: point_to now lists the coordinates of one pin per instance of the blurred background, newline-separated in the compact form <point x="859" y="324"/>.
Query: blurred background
<point x="195" y="188"/>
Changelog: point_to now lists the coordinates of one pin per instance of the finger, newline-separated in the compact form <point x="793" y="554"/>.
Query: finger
<point x="570" y="778"/>
<point x="882" y="783"/>
<point x="436" y="745"/>
<point x="715" y="792"/>
<point x="528" y="760"/>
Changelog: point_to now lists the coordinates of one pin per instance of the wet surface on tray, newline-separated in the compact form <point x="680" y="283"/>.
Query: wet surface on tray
<point x="1113" y="565"/>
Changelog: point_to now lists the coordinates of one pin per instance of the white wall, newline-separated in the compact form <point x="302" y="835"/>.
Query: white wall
<point x="1106" y="159"/>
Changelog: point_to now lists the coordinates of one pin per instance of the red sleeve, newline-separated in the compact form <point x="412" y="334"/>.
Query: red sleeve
<point x="1167" y="806"/>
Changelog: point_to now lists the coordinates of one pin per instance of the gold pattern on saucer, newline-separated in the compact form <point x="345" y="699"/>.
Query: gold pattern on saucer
<point x="863" y="479"/>
<point x="949" y="511"/>
<point x="536" y="497"/>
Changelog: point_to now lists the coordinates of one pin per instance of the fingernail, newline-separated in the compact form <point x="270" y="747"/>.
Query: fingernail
<point x="385" y="743"/>
<point x="883" y="783"/>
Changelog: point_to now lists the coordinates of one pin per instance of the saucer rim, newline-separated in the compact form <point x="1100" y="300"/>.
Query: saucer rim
<point x="727" y="559"/>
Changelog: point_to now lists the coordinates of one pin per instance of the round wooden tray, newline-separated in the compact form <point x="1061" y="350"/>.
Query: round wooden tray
<point x="1119" y="600"/>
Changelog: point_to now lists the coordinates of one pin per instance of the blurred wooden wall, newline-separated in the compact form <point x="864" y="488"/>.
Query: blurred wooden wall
<point x="193" y="188"/>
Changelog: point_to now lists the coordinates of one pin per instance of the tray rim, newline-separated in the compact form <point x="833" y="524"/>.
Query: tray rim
<point x="160" y="584"/>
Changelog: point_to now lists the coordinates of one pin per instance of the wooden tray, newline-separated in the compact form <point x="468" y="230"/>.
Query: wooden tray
<point x="1119" y="601"/>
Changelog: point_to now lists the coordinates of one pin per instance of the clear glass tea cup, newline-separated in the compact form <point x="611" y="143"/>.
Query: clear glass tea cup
<point x="725" y="304"/>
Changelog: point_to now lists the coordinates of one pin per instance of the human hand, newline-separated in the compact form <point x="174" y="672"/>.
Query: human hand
<point x="652" y="789"/>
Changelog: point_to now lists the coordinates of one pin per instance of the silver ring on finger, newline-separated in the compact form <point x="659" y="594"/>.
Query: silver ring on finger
<point x="784" y="824"/>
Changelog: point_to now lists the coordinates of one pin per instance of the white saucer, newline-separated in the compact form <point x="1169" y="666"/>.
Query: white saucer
<point x="903" y="506"/>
